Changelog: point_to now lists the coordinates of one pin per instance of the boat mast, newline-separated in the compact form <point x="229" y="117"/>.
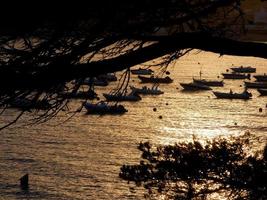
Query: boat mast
<point x="200" y="72"/>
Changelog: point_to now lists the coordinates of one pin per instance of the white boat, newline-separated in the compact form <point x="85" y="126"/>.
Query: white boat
<point x="242" y="69"/>
<point x="141" y="71"/>
<point x="104" y="108"/>
<point x="231" y="95"/>
<point x="146" y="90"/>
<point x="122" y="97"/>
<point x="194" y="86"/>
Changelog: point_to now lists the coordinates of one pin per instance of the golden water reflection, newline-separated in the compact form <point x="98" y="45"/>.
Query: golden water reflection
<point x="81" y="158"/>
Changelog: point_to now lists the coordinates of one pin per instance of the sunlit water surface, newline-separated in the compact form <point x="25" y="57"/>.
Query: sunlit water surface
<point x="81" y="158"/>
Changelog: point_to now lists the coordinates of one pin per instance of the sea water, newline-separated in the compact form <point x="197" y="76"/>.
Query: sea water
<point x="81" y="158"/>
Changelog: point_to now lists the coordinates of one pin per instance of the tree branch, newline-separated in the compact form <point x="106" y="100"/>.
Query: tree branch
<point x="54" y="74"/>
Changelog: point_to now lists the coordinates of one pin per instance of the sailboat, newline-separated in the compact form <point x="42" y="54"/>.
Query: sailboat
<point x="215" y="83"/>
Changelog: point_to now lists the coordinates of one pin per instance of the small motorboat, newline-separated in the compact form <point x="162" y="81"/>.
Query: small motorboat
<point x="28" y="104"/>
<point x="211" y="83"/>
<point x="141" y="71"/>
<point x="122" y="97"/>
<point x="260" y="78"/>
<point x="235" y="76"/>
<point x="263" y="92"/>
<point x="153" y="79"/>
<point x="95" y="81"/>
<point x="146" y="90"/>
<point x="243" y="69"/>
<point x="231" y="95"/>
<point x="194" y="86"/>
<point x="111" y="77"/>
<point x="255" y="84"/>
<point x="90" y="94"/>
<point x="104" y="108"/>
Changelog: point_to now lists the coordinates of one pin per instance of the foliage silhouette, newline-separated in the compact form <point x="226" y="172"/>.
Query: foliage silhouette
<point x="193" y="170"/>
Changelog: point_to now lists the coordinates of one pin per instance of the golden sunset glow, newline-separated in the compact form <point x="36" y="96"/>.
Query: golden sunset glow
<point x="127" y="100"/>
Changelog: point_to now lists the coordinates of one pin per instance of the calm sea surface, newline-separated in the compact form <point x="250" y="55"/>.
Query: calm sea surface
<point x="81" y="158"/>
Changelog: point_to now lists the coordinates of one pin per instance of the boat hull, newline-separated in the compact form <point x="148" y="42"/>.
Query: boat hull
<point x="147" y="91"/>
<point x="222" y="95"/>
<point x="80" y="95"/>
<point x="142" y="71"/>
<point x="209" y="82"/>
<point x="194" y="86"/>
<point x="255" y="84"/>
<point x="235" y="76"/>
<point x="244" y="69"/>
<point x="155" y="79"/>
<point x="111" y="97"/>
<point x="260" y="78"/>
<point x="101" y="110"/>
<point x="263" y="92"/>
<point x="28" y="104"/>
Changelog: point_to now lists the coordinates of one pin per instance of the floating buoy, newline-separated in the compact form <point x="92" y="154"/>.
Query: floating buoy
<point x="227" y="70"/>
<point x="167" y="104"/>
<point x="235" y="123"/>
<point x="154" y="109"/>
<point x="132" y="80"/>
<point x="168" y="73"/>
<point x="177" y="88"/>
<point x="266" y="105"/>
<point x="260" y="109"/>
<point x="240" y="85"/>
<point x="160" y="117"/>
<point x="218" y="76"/>
<point x="97" y="98"/>
<point x="24" y="182"/>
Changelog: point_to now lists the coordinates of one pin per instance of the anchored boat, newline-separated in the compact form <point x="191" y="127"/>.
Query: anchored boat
<point x="231" y="95"/>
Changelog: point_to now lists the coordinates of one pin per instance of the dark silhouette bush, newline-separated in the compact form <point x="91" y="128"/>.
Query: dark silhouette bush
<point x="197" y="171"/>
